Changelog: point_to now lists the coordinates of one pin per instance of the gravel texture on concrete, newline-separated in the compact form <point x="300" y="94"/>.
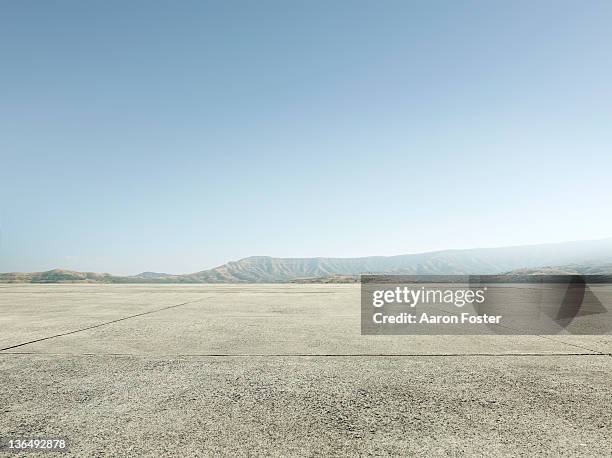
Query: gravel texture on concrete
<point x="145" y="370"/>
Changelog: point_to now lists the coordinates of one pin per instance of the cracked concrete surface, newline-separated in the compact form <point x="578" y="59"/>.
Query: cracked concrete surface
<point x="205" y="370"/>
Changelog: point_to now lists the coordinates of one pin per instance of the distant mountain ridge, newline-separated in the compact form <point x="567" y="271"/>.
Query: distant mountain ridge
<point x="587" y="256"/>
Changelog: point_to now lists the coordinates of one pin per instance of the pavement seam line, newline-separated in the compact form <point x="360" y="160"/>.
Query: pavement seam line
<point x="314" y="355"/>
<point x="597" y="352"/>
<point x="572" y="345"/>
<point x="106" y="323"/>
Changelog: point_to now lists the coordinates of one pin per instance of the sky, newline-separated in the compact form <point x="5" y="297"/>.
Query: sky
<point x="174" y="136"/>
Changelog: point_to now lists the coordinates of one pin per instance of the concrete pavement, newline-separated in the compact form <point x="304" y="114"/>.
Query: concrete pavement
<point x="181" y="370"/>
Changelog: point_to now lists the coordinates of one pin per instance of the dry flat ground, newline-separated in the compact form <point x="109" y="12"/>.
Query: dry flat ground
<point x="282" y="370"/>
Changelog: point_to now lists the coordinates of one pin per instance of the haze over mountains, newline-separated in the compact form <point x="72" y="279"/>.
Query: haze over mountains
<point x="589" y="257"/>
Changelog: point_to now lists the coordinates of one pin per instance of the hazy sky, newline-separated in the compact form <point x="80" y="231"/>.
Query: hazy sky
<point x="177" y="135"/>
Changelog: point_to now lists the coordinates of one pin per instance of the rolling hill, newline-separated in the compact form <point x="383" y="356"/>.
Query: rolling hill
<point x="573" y="257"/>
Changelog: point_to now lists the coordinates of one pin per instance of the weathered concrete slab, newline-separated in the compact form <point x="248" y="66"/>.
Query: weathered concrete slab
<point x="148" y="385"/>
<point x="29" y="312"/>
<point x="230" y="319"/>
<point x="300" y="406"/>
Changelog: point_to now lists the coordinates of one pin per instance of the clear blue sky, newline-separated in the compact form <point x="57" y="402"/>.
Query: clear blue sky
<point x="177" y="135"/>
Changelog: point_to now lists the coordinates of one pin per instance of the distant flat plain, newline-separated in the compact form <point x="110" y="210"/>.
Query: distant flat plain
<point x="203" y="370"/>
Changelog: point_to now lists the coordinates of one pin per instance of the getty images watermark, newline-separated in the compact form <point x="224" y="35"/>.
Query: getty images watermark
<point x="486" y="304"/>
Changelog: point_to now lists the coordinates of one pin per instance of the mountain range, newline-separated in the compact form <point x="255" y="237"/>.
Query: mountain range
<point x="587" y="257"/>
